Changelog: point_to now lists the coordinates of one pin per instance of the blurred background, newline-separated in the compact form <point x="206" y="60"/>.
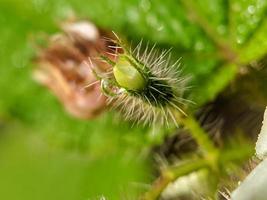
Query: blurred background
<point x="46" y="153"/>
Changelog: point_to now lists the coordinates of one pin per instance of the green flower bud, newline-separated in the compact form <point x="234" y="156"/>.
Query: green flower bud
<point x="127" y="76"/>
<point x="144" y="86"/>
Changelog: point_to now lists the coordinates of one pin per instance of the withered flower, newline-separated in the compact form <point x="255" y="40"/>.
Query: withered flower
<point x="62" y="68"/>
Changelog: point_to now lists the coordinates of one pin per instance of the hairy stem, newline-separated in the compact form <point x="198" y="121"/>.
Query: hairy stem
<point x="202" y="138"/>
<point x="169" y="175"/>
<point x="210" y="159"/>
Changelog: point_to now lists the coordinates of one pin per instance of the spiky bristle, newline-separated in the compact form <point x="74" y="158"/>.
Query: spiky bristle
<point x="160" y="97"/>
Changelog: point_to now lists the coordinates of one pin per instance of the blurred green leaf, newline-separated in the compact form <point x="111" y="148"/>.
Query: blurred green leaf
<point x="256" y="47"/>
<point x="31" y="170"/>
<point x="245" y="18"/>
<point x="216" y="82"/>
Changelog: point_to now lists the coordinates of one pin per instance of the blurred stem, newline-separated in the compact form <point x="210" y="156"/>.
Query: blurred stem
<point x="239" y="154"/>
<point x="198" y="133"/>
<point x="210" y="160"/>
<point x="171" y="174"/>
<point x="211" y="153"/>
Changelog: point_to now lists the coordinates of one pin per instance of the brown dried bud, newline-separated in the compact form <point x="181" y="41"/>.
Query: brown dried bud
<point x="62" y="68"/>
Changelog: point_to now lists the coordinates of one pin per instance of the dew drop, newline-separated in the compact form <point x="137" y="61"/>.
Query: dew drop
<point x="176" y="26"/>
<point x="251" y="9"/>
<point x="221" y="29"/>
<point x="39" y="5"/>
<point x="133" y="15"/>
<point x="241" y="28"/>
<point x="199" y="46"/>
<point x="236" y="7"/>
<point x="239" y="40"/>
<point x="160" y="28"/>
<point x="254" y="19"/>
<point x="145" y="5"/>
<point x="152" y="20"/>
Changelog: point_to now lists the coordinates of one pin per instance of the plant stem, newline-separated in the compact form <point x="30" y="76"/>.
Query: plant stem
<point x="169" y="175"/>
<point x="201" y="137"/>
<point x="238" y="154"/>
<point x="210" y="159"/>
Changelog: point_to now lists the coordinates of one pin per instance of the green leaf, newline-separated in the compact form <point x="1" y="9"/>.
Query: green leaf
<point x="245" y="18"/>
<point x="256" y="47"/>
